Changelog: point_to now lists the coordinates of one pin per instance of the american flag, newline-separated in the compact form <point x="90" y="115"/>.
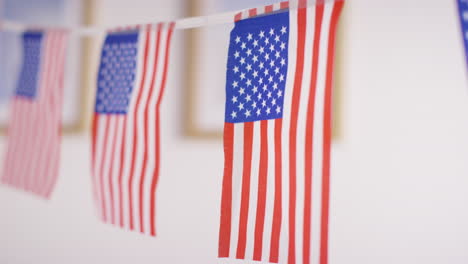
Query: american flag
<point x="33" y="152"/>
<point x="126" y="126"/>
<point x="277" y="134"/>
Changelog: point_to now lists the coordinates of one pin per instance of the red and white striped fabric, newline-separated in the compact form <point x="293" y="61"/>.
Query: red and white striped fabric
<point x="126" y="127"/>
<point x="276" y="185"/>
<point x="34" y="132"/>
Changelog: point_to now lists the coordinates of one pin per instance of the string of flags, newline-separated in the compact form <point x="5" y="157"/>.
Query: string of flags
<point x="277" y="130"/>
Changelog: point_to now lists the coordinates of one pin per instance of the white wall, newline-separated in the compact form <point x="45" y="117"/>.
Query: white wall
<point x="400" y="172"/>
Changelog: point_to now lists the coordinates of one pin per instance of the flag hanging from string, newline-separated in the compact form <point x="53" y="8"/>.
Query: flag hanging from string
<point x="34" y="131"/>
<point x="126" y="127"/>
<point x="277" y="134"/>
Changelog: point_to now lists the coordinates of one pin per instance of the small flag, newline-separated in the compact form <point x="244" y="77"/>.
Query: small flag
<point x="33" y="152"/>
<point x="126" y="127"/>
<point x="463" y="11"/>
<point x="277" y="134"/>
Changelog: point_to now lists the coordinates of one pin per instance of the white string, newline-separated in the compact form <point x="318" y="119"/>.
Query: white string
<point x="184" y="23"/>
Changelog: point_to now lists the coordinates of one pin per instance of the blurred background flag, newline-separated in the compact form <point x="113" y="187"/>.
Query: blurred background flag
<point x="277" y="134"/>
<point x="33" y="152"/>
<point x="126" y="126"/>
<point x="463" y="11"/>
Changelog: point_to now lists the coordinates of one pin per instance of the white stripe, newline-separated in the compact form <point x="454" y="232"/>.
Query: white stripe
<point x="270" y="191"/>
<point x="318" y="137"/>
<point x="115" y="163"/>
<point x="251" y="219"/>
<point x="237" y="164"/>
<point x="99" y="154"/>
<point x="285" y="135"/>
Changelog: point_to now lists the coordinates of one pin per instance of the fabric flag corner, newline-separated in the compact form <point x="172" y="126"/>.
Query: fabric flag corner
<point x="277" y="134"/>
<point x="126" y="125"/>
<point x="34" y="130"/>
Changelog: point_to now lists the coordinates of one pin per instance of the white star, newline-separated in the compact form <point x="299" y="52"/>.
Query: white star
<point x="277" y="38"/>
<point x="241" y="106"/>
<point x="261" y="65"/>
<point x="282" y="45"/>
<point x="238" y="39"/>
<point x="243" y="45"/>
<point x="247" y="113"/>
<point x="273" y="102"/>
<point x="255" y="89"/>
<point x="272" y="47"/>
<point x="281" y="78"/>
<point x="267" y="56"/>
<point x="283" y="30"/>
<point x="242" y="61"/>
<point x="249" y="37"/>
<point x="255" y="58"/>
<point x="255" y="43"/>
<point x="242" y="76"/>
<point x="261" y="34"/>
<point x="263" y="103"/>
<point x="241" y="91"/>
<point x="278" y="109"/>
<point x="283" y="62"/>
<point x="276" y="70"/>
<point x="272" y="31"/>
<point x="260" y="81"/>
<point x="266" y="72"/>
<point x="233" y="114"/>
<point x="265" y="87"/>
<point x="269" y="95"/>
<point x="258" y="111"/>
<point x="235" y="84"/>
<point x="280" y="93"/>
<point x="275" y="86"/>
<point x="236" y="69"/>
<point x="254" y="104"/>
<point x="268" y="110"/>
<point x="277" y="54"/>
<point x="261" y="50"/>
<point x="249" y="67"/>
<point x="248" y="98"/>
<point x="272" y="63"/>
<point x="270" y="79"/>
<point x="259" y="96"/>
<point x="236" y="54"/>
<point x="255" y="74"/>
<point x="267" y="41"/>
<point x="249" y="82"/>
<point x="234" y="99"/>
<point x="249" y="52"/>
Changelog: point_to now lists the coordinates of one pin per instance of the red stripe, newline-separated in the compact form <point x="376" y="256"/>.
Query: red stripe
<point x="309" y="137"/>
<point x="268" y="8"/>
<point x="121" y="170"/>
<point x="277" y="210"/>
<point x="301" y="23"/>
<point x="327" y="134"/>
<point x="245" y="196"/>
<point x="146" y="120"/>
<point x="158" y="136"/>
<point x="237" y="17"/>
<point x="115" y="127"/>
<point x="262" y="191"/>
<point x="226" y="194"/>
<point x="284" y="5"/>
<point x="135" y="129"/>
<point x="252" y="12"/>
<point x="101" y="171"/>
<point x="95" y="128"/>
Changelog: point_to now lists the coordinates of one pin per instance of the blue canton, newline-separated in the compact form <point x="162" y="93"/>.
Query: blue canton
<point x="27" y="84"/>
<point x="256" y="68"/>
<point x="116" y="75"/>
<point x="463" y="11"/>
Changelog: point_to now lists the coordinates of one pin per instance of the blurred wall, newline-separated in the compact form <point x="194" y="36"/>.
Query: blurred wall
<point x="400" y="170"/>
